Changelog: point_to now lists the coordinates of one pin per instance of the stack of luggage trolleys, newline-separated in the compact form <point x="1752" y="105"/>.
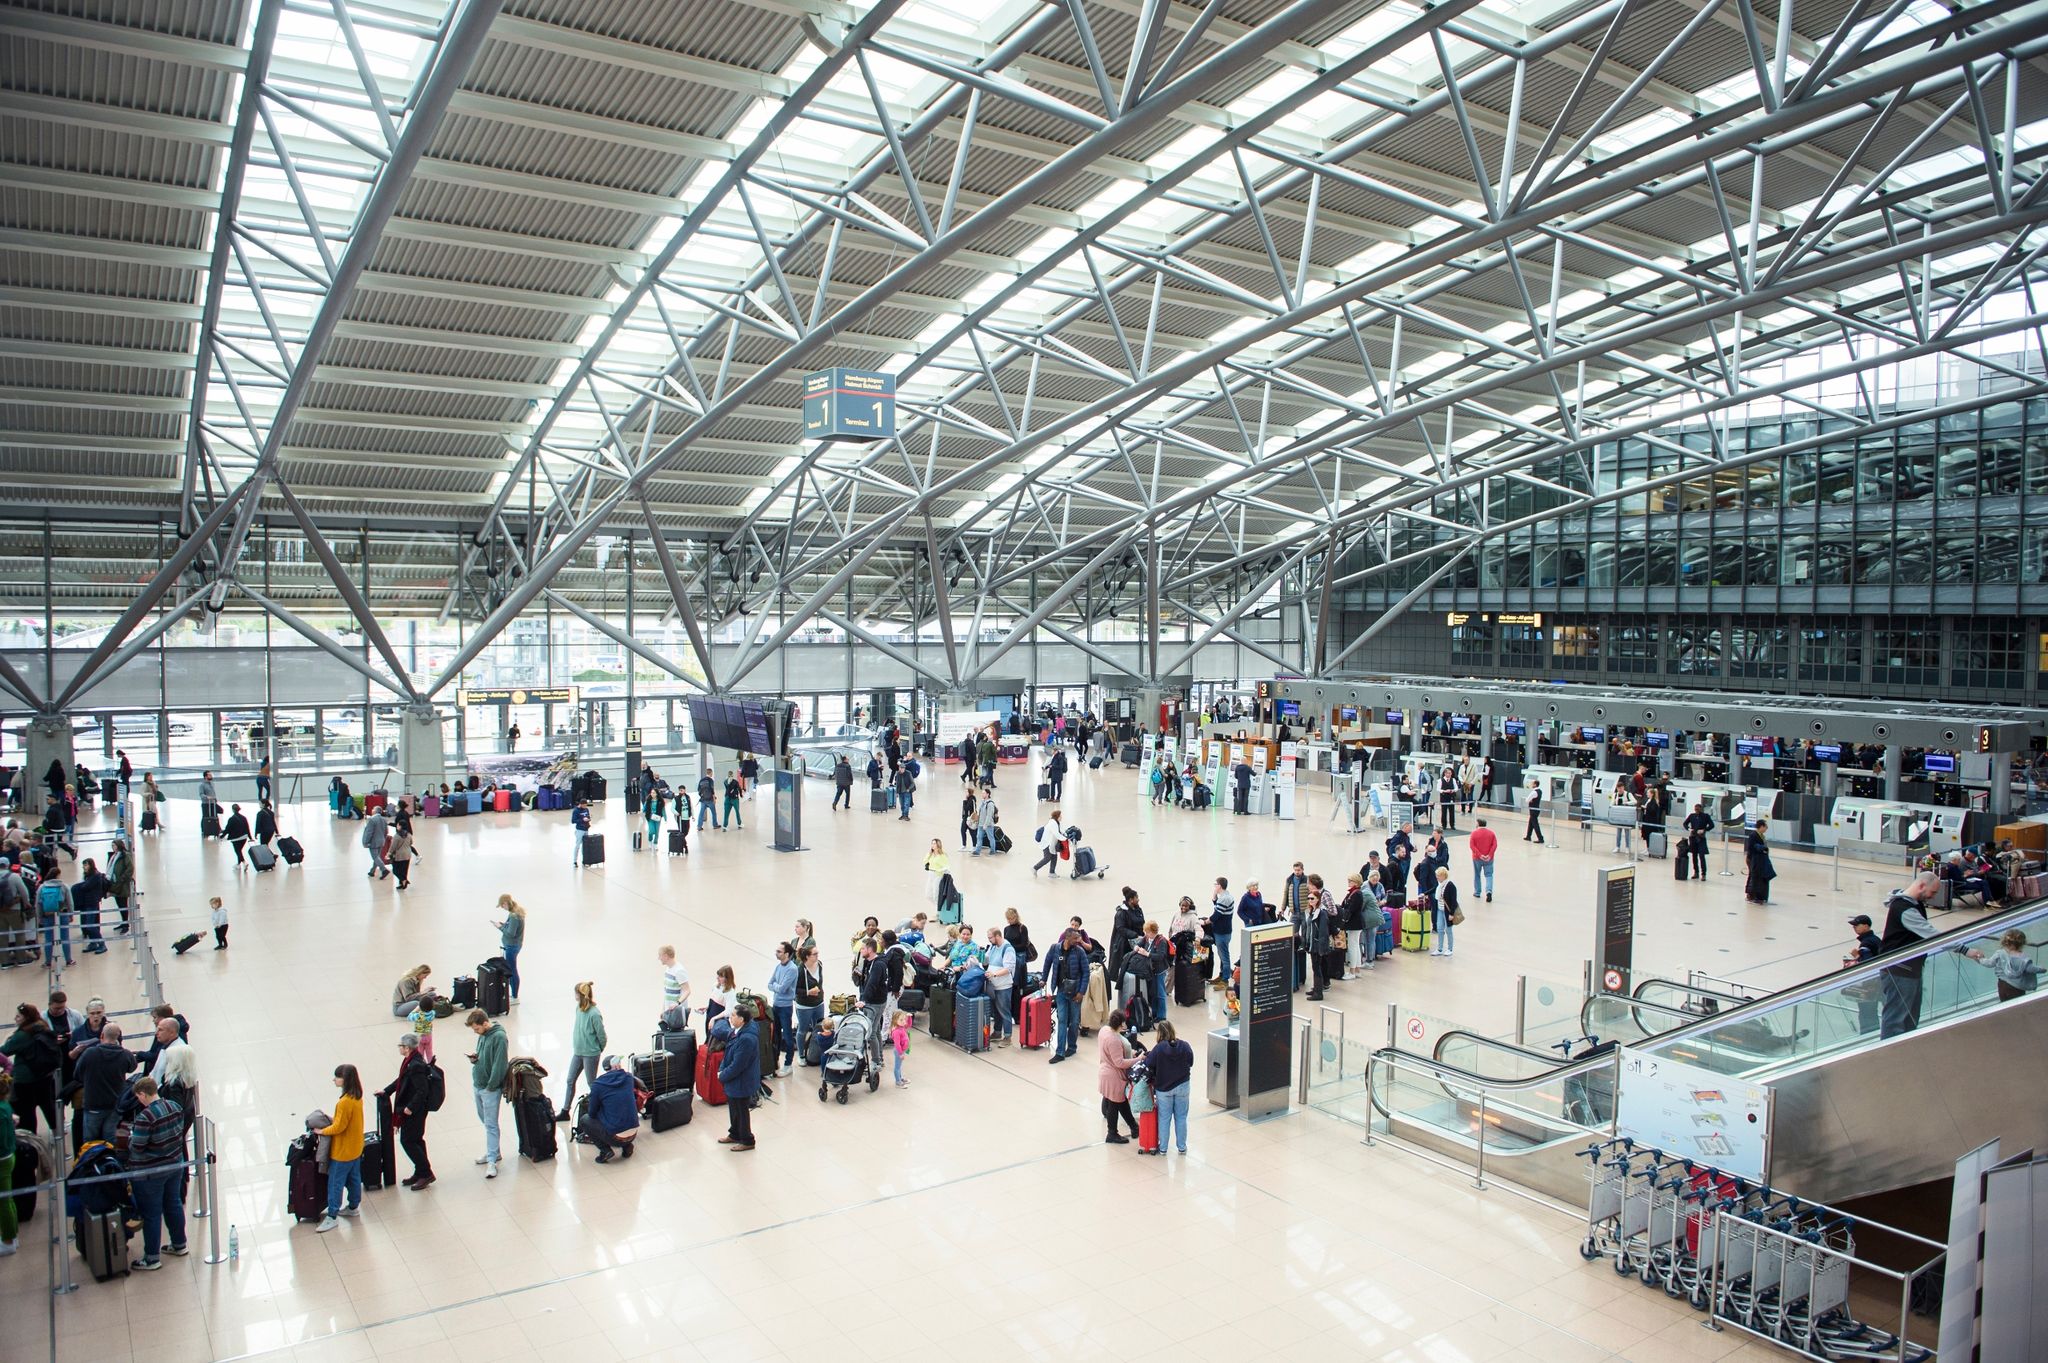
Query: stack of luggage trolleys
<point x="1769" y="1263"/>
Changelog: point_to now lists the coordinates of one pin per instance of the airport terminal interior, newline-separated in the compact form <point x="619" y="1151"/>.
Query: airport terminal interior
<point x="1046" y="679"/>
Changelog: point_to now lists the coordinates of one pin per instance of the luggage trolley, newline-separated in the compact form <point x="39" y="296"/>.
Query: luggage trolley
<point x="1607" y="1172"/>
<point x="1650" y="1217"/>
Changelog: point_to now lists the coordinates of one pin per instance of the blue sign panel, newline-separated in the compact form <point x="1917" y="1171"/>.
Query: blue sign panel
<point x="849" y="404"/>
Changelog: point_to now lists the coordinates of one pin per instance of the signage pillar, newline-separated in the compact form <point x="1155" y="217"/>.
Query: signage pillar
<point x="1614" y="932"/>
<point x="632" y="771"/>
<point x="1266" y="1026"/>
<point x="422" y="761"/>
<point x="789" y="809"/>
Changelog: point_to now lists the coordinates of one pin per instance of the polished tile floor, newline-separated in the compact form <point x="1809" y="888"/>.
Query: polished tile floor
<point x="976" y="1210"/>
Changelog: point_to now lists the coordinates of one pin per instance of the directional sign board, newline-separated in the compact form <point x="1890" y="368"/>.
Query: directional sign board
<point x="849" y="404"/>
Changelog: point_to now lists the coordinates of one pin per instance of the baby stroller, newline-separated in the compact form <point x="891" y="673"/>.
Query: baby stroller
<point x="1084" y="861"/>
<point x="848" y="1060"/>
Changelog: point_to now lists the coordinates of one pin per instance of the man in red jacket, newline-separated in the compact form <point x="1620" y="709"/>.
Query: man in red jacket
<point x="1484" y="845"/>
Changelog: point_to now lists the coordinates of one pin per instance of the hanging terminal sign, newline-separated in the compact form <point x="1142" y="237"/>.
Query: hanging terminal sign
<point x="516" y="695"/>
<point x="849" y="404"/>
<point x="1453" y="619"/>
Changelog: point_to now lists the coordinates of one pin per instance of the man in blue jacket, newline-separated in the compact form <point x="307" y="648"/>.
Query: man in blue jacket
<point x="740" y="1072"/>
<point x="1067" y="974"/>
<point x="611" y="1118"/>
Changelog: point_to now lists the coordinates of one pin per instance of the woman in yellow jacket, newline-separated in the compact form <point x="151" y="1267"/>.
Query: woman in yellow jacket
<point x="344" y="1148"/>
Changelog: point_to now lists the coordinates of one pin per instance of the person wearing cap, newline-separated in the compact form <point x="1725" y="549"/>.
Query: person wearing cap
<point x="408" y="1094"/>
<point x="1868" y="944"/>
<point x="611" y="1116"/>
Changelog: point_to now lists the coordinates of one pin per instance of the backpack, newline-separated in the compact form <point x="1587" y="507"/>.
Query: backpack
<point x="50" y="898"/>
<point x="437" y="1087"/>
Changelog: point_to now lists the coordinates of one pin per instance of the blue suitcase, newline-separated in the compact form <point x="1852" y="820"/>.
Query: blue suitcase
<point x="970" y="1024"/>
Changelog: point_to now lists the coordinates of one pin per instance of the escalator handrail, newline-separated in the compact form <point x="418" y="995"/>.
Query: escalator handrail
<point x="1394" y="1057"/>
<point x="1834" y="981"/>
<point x="1658" y="980"/>
<point x="1547" y="1057"/>
<point x="1800" y="993"/>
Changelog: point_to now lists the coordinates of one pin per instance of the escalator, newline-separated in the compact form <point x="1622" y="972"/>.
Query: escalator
<point x="1854" y="1112"/>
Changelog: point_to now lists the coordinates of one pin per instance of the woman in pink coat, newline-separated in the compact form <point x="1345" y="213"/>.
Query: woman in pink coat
<point x="1114" y="1060"/>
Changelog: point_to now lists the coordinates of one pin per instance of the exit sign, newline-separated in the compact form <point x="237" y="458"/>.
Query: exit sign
<point x="849" y="404"/>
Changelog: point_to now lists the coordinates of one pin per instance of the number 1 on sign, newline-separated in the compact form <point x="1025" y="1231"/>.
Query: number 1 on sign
<point x="878" y="416"/>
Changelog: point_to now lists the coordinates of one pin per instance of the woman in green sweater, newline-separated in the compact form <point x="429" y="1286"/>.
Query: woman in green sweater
<point x="586" y="1044"/>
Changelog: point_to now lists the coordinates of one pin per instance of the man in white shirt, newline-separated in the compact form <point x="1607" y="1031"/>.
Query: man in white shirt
<point x="1049" y="839"/>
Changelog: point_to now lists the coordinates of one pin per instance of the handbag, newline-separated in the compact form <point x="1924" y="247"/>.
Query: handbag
<point x="1456" y="917"/>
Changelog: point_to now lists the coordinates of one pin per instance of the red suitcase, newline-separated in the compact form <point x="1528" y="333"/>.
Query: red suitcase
<point x="1148" y="1131"/>
<point x="501" y="801"/>
<point x="1034" y="1024"/>
<point x="374" y="801"/>
<point x="708" y="1087"/>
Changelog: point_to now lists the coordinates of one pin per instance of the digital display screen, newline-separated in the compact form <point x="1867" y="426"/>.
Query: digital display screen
<point x="1656" y="740"/>
<point x="1593" y="733"/>
<point x="1461" y="724"/>
<point x="1749" y="747"/>
<point x="1514" y="728"/>
<point x="1827" y="752"/>
<point x="1348" y="713"/>
<point x="1939" y="761"/>
<point x="758" y="741"/>
<point x="1290" y="709"/>
<point x="1394" y="718"/>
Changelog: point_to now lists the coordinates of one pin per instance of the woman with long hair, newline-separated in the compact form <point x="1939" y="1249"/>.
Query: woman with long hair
<point x="586" y="1044"/>
<point x="344" y="1148"/>
<point x="511" y="937"/>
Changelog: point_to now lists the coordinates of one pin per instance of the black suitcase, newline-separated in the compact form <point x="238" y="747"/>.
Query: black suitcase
<point x="149" y="823"/>
<point x="1045" y="790"/>
<point x="185" y="943"/>
<point x="878" y="801"/>
<point x="678" y="842"/>
<point x="938" y="1012"/>
<point x="681" y="1045"/>
<point x="593" y="849"/>
<point x="262" y="858"/>
<point x="373" y="1162"/>
<point x="666" y="1111"/>
<point x="110" y="789"/>
<point x="209" y="826"/>
<point x="493" y="989"/>
<point x="1189" y="988"/>
<point x="390" y="1145"/>
<point x="463" y="992"/>
<point x="662" y="1072"/>
<point x="1095" y="762"/>
<point x="1681" y="865"/>
<point x="596" y="786"/>
<point x="291" y="850"/>
<point x="534" y="1120"/>
<point x="1003" y="842"/>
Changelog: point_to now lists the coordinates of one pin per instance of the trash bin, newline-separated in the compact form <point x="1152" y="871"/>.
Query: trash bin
<point x="1224" y="1085"/>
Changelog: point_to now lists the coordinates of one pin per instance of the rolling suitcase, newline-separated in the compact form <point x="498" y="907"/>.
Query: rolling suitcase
<point x="534" y="1120"/>
<point x="683" y="1046"/>
<point x="1034" y="1022"/>
<point x="1383" y="940"/>
<point x="493" y="989"/>
<point x="372" y="1166"/>
<point x="209" y="825"/>
<point x="667" y="1111"/>
<point x="149" y="821"/>
<point x="593" y="849"/>
<point x="596" y="786"/>
<point x="103" y="1240"/>
<point x="950" y="911"/>
<point x="383" y="1131"/>
<point x="1681" y="866"/>
<point x="110" y="789"/>
<point x="662" y="1072"/>
<point x="1655" y="844"/>
<point x="879" y="800"/>
<point x="462" y="993"/>
<point x="501" y="801"/>
<point x="291" y="850"/>
<point x="305" y="1196"/>
<point x="1045" y="790"/>
<point x="678" y="842"/>
<point x="1148" y="1130"/>
<point x="939" y="1011"/>
<point x="1003" y="843"/>
<point x="1189" y="987"/>
<point x="1414" y="929"/>
<point x="185" y="943"/>
<point x="261" y="857"/>
<point x="970" y="1024"/>
<point x="708" y="1086"/>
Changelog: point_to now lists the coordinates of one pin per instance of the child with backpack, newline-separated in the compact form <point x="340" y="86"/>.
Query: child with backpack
<point x="53" y="907"/>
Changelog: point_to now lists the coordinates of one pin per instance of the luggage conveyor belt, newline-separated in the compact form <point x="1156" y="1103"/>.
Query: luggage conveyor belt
<point x="1535" y="1112"/>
